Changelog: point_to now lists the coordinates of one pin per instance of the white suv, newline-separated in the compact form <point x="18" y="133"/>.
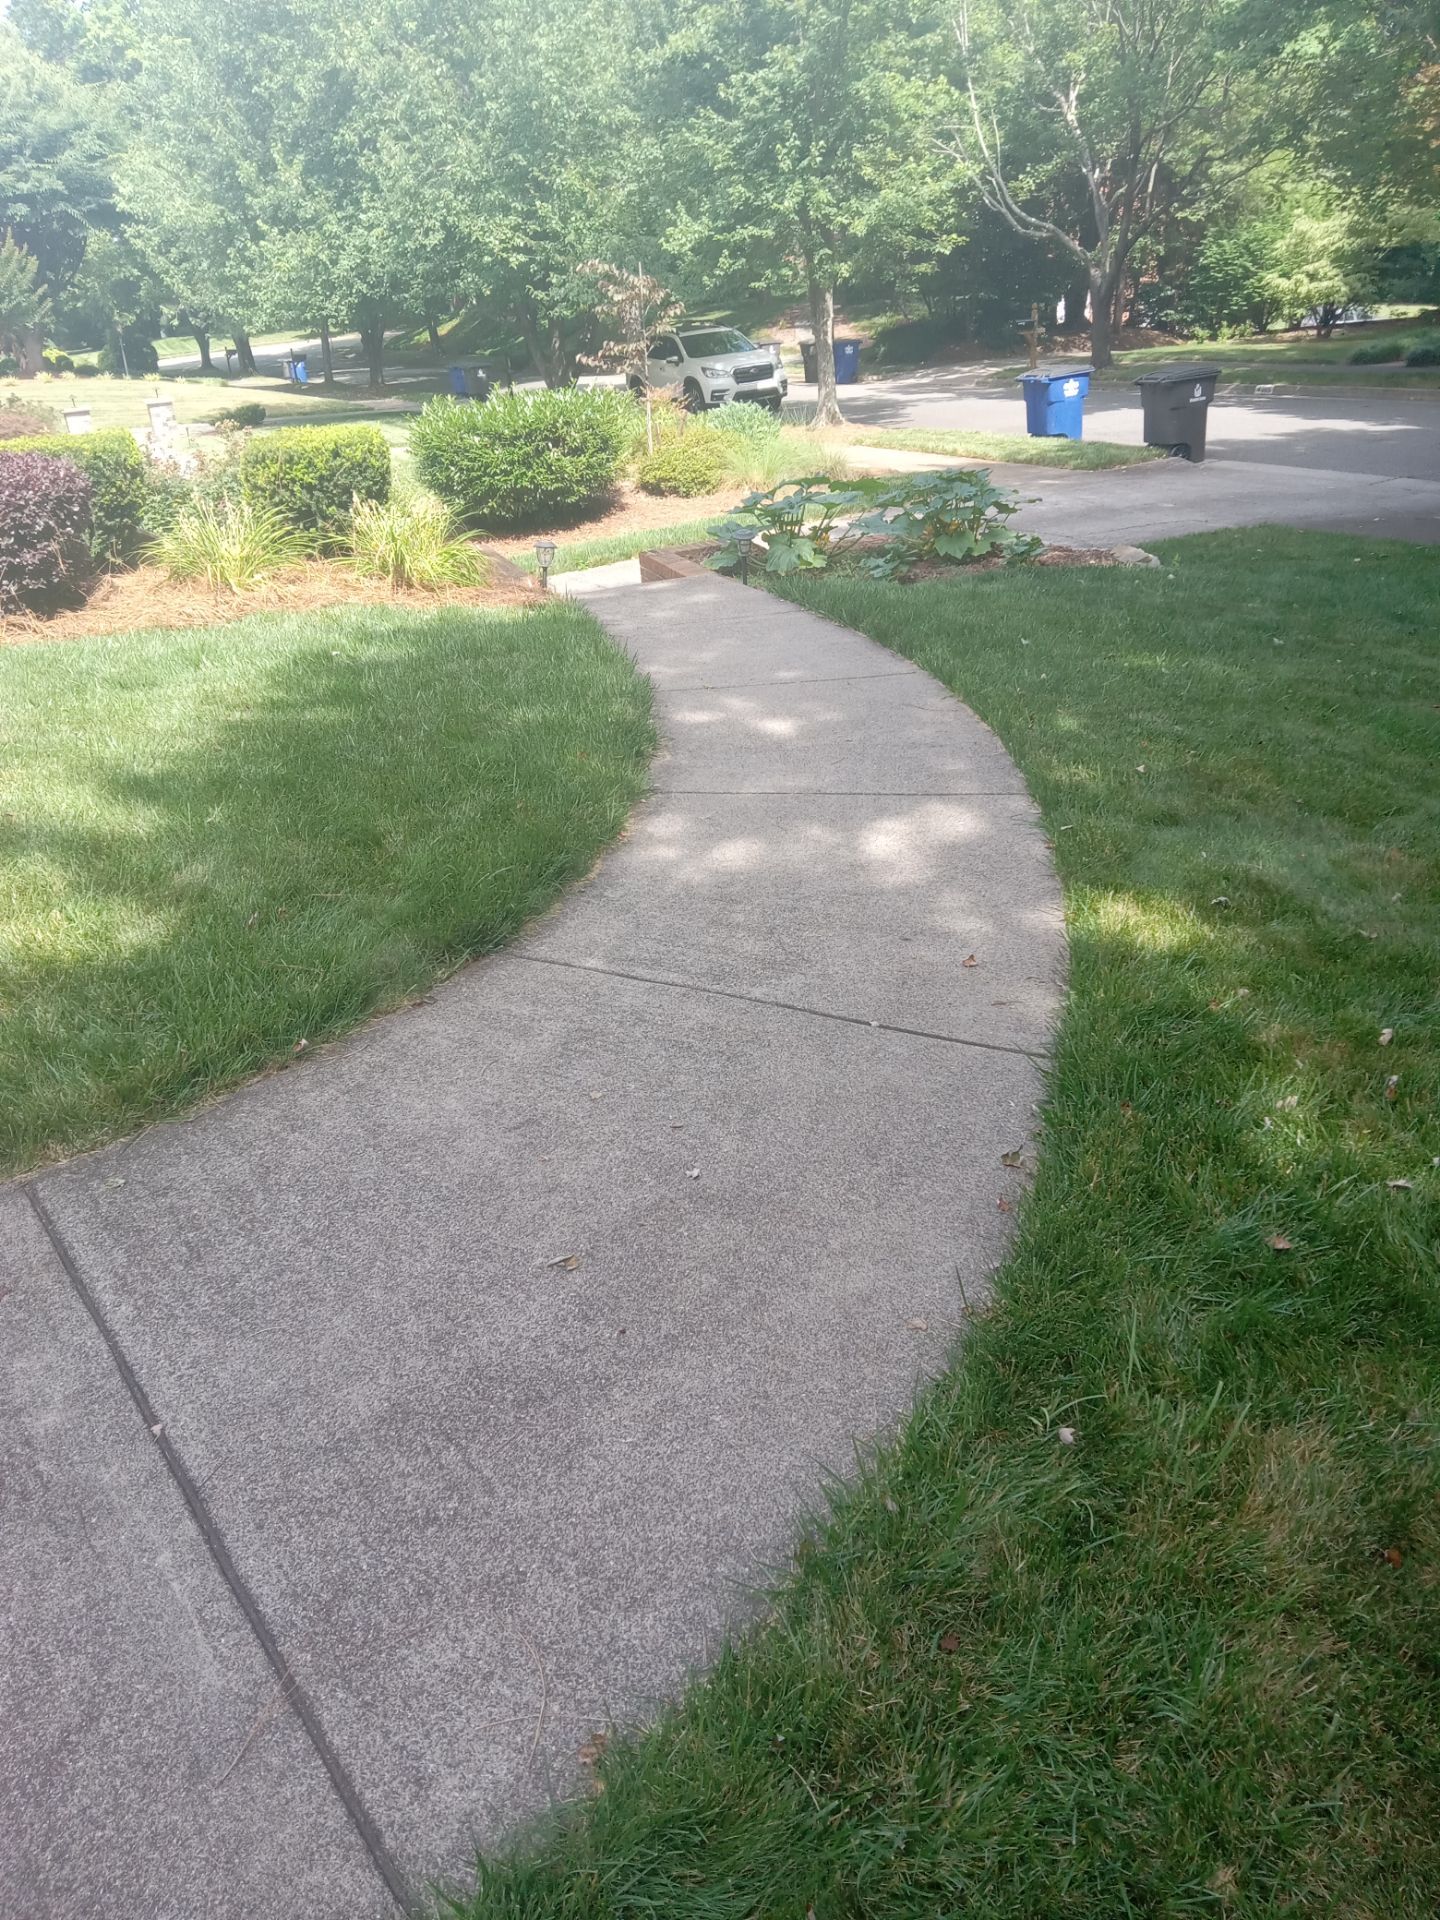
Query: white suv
<point x="707" y="366"/>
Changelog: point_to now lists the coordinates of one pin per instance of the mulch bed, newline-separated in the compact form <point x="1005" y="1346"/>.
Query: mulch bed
<point x="146" y="597"/>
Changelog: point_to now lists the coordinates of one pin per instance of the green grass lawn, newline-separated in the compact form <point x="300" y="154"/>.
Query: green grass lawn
<point x="1140" y="1615"/>
<point x="121" y="403"/>
<point x="217" y="844"/>
<point x="1088" y="455"/>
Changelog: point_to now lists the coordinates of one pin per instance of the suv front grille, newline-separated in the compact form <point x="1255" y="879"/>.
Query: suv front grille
<point x="746" y="374"/>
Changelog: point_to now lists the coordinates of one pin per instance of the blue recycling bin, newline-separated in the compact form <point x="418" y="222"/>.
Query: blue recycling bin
<point x="847" y="362"/>
<point x="1055" y="404"/>
<point x="458" y="383"/>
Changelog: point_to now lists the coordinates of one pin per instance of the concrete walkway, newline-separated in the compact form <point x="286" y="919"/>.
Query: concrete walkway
<point x="376" y="1435"/>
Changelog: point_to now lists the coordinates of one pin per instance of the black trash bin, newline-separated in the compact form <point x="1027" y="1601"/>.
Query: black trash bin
<point x="808" y="360"/>
<point x="1176" y="401"/>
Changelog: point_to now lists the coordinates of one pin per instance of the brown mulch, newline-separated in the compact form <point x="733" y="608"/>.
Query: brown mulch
<point x="145" y="597"/>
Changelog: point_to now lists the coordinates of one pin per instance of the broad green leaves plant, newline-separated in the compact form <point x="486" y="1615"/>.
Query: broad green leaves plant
<point x="886" y="526"/>
<point x="952" y="516"/>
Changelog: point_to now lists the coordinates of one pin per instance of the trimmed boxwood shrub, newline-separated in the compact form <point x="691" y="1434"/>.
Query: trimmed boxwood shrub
<point x="522" y="458"/>
<point x="45" y="526"/>
<point x="119" y="479"/>
<point x="1425" y="352"/>
<point x="244" y="413"/>
<point x="698" y="462"/>
<point x="311" y="475"/>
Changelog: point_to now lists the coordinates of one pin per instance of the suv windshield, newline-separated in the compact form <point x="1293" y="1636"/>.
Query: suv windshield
<point x="715" y="340"/>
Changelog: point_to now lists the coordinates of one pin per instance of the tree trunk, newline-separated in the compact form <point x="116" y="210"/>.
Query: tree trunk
<point x="822" y="325"/>
<point x="32" y="353"/>
<point x="372" y="344"/>
<point x="202" y="341"/>
<point x="244" y="353"/>
<point x="1102" y="305"/>
<point x="434" y="333"/>
<point x="327" y="364"/>
<point x="562" y="366"/>
<point x="547" y="348"/>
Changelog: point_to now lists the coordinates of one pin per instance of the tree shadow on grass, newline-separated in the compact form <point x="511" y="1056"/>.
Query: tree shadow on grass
<point x="229" y="842"/>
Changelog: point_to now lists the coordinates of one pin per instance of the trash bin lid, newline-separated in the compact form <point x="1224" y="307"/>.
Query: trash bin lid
<point x="1057" y="373"/>
<point x="1180" y="375"/>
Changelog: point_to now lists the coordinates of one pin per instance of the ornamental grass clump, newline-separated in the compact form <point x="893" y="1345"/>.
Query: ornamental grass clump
<point x="230" y="543"/>
<point x="413" y="541"/>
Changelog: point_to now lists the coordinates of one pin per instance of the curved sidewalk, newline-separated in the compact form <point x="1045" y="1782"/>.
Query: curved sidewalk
<point x="383" y="1431"/>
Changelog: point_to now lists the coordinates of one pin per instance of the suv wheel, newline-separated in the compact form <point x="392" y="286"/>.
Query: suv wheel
<point x="692" y="398"/>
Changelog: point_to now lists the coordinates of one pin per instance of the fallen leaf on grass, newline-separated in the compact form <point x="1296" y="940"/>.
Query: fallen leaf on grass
<point x="1387" y="1034"/>
<point x="1400" y="1186"/>
<point x="969" y="961"/>
<point x="1004" y="1205"/>
<point x="1221" y="900"/>
<point x="300" y="1046"/>
<point x="1393" y="1556"/>
<point x="1280" y="1243"/>
<point x="1288" y="1104"/>
<point x="1066" y="1436"/>
<point x="949" y="1643"/>
<point x="1392" y="1086"/>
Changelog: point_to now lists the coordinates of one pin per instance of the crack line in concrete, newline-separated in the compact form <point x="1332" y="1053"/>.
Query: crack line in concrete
<point x="842" y="793"/>
<point x="782" y="1006"/>
<point x="219" y="1552"/>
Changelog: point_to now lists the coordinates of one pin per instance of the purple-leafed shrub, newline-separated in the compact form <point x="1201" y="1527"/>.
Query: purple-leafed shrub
<point x="46" y="513"/>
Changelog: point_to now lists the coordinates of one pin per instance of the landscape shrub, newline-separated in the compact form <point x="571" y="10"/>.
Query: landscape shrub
<point x="119" y="480"/>
<point x="57" y="362"/>
<point x="168" y="493"/>
<point x="311" y="476"/>
<point x="1378" y="352"/>
<point x="234" y="544"/>
<point x="1424" y="352"/>
<point x="523" y="458"/>
<point x="698" y="462"/>
<point x="244" y="413"/>
<point x="139" y="358"/>
<point x="46" y="516"/>
<point x="24" y="418"/>
<point x="413" y="542"/>
<point x="743" y="420"/>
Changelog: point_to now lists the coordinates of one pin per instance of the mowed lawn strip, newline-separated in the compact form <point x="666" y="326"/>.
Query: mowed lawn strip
<point x="218" y="844"/>
<point x="1141" y="1613"/>
<point x="1022" y="449"/>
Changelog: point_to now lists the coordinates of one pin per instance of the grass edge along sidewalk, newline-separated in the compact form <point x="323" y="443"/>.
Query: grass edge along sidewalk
<point x="1139" y="1614"/>
<point x="223" y="845"/>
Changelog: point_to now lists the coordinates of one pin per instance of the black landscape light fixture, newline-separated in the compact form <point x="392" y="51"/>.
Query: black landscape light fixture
<point x="545" y="554"/>
<point x="744" y="541"/>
